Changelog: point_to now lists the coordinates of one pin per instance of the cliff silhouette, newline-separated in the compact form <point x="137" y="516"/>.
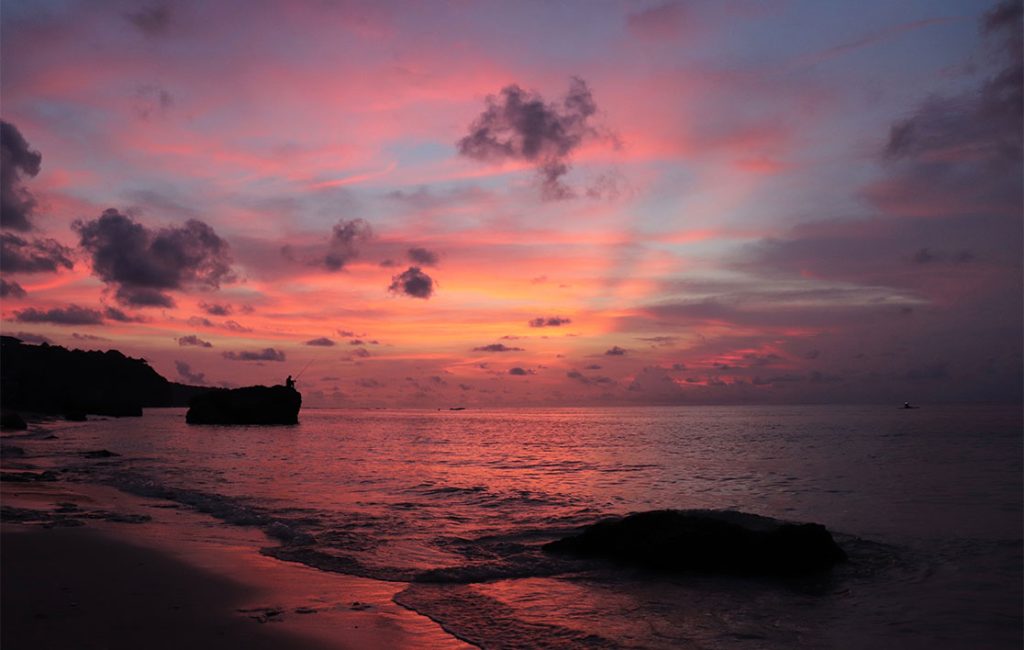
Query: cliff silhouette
<point x="55" y="380"/>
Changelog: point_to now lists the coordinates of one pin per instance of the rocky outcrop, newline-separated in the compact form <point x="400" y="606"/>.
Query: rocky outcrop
<point x="703" y="541"/>
<point x="249" y="405"/>
<point x="52" y="379"/>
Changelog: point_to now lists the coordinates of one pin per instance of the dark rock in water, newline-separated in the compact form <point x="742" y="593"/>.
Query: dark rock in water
<point x="100" y="453"/>
<point x="10" y="451"/>
<point x="11" y="421"/>
<point x="704" y="541"/>
<point x="249" y="405"/>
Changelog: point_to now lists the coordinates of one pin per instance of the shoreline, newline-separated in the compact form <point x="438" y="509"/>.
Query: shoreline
<point x="151" y="573"/>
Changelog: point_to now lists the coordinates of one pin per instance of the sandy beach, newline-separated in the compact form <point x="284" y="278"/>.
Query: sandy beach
<point x="80" y="569"/>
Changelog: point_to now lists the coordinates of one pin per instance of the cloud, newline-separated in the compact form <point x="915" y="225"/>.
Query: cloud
<point x="519" y="125"/>
<point x="16" y="159"/>
<point x="423" y="256"/>
<point x="615" y="351"/>
<point x="323" y="341"/>
<point x="551" y="321"/>
<point x="588" y="381"/>
<point x="266" y="354"/>
<point x="143" y="265"/>
<point x="70" y="315"/>
<point x="412" y="282"/>
<point x="151" y="99"/>
<point x="192" y="339"/>
<point x="662" y="22"/>
<point x="113" y="313"/>
<point x="88" y="337"/>
<point x="519" y="371"/>
<point x="496" y="347"/>
<point x="199" y="321"/>
<point x="11" y="289"/>
<point x="215" y="309"/>
<point x="345" y="237"/>
<point x="659" y="341"/>
<point x="185" y="372"/>
<point x="653" y="384"/>
<point x="988" y="119"/>
<point x="19" y="255"/>
<point x="361" y="352"/>
<point x="29" y="337"/>
<point x="152" y="21"/>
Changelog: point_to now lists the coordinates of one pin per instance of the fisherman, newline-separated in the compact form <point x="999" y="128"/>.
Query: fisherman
<point x="290" y="383"/>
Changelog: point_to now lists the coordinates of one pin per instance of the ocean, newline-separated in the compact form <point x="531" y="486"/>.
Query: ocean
<point x="454" y="505"/>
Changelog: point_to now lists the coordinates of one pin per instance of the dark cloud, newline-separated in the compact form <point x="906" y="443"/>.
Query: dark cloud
<point x="70" y="315"/>
<point x="215" y="309"/>
<point x="970" y="143"/>
<point x="11" y="289"/>
<point x="88" y="337"/>
<point x="519" y="125"/>
<point x="144" y="265"/>
<point x="345" y="239"/>
<point x="661" y="22"/>
<point x="115" y="314"/>
<point x="199" y="321"/>
<point x="412" y="282"/>
<point x="152" y="21"/>
<point x="235" y="326"/>
<point x="759" y="360"/>
<point x="659" y="341"/>
<point x="423" y="256"/>
<point x="615" y="351"/>
<point x="519" y="371"/>
<point x="185" y="372"/>
<point x="593" y="366"/>
<point x="323" y="341"/>
<point x="266" y="354"/>
<point x="29" y="337"/>
<point x="192" y="339"/>
<point x="551" y="321"/>
<point x="589" y="381"/>
<point x="361" y="352"/>
<point x="930" y="256"/>
<point x="653" y="384"/>
<point x="16" y="160"/>
<point x="19" y="255"/>
<point x="152" y="100"/>
<point x="496" y="347"/>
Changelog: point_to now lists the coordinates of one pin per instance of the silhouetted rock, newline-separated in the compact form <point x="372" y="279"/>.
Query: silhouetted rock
<point x="100" y="453"/>
<point x="732" y="543"/>
<point x="249" y="405"/>
<point x="52" y="379"/>
<point x="11" y="421"/>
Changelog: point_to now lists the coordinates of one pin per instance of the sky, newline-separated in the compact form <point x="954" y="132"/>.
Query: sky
<point x="433" y="204"/>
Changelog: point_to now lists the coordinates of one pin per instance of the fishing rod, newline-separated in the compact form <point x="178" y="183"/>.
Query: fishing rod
<point x="304" y="368"/>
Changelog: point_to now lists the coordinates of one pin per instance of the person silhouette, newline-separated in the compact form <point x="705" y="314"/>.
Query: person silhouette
<point x="290" y="383"/>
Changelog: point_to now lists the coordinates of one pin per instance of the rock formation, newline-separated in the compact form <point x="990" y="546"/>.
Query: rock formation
<point x="705" y="541"/>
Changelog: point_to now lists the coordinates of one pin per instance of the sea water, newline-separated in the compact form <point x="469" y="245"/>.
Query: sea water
<point x="455" y="505"/>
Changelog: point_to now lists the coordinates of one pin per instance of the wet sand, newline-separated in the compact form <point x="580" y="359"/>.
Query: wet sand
<point x="178" y="580"/>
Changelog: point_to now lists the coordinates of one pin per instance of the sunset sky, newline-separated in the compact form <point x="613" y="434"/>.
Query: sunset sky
<point x="497" y="203"/>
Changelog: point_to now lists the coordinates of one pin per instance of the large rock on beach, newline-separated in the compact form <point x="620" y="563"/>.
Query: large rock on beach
<point x="11" y="421"/>
<point x="249" y="405"/>
<point x="704" y="541"/>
